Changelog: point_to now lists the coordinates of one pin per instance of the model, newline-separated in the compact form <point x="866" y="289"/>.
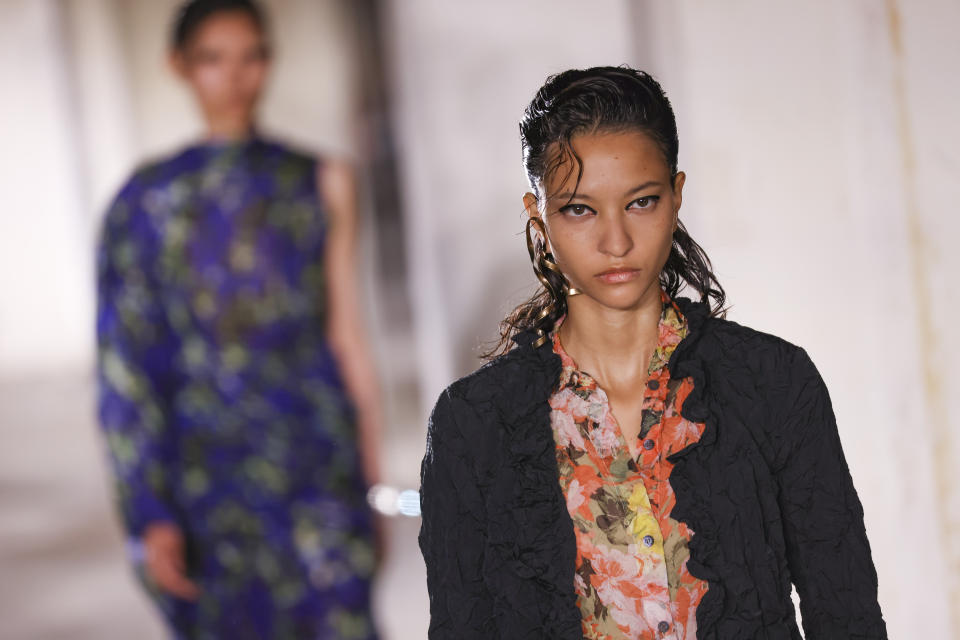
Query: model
<point x="631" y="464"/>
<point x="237" y="393"/>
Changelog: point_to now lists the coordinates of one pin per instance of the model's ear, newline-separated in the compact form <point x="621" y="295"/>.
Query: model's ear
<point x="178" y="63"/>
<point x="531" y="205"/>
<point x="678" y="181"/>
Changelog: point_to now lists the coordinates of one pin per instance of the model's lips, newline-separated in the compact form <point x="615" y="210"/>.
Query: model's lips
<point x="616" y="276"/>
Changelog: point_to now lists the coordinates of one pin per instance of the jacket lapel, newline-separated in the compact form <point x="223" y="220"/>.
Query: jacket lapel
<point x="531" y="535"/>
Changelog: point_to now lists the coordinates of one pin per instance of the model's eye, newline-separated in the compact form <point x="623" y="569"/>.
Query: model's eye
<point x="206" y="57"/>
<point x="256" y="55"/>
<point x="576" y="210"/>
<point x="646" y="202"/>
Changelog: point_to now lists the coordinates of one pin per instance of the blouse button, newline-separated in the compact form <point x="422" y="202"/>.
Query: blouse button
<point x="663" y="627"/>
<point x="648" y="541"/>
<point x="654" y="384"/>
<point x="648" y="444"/>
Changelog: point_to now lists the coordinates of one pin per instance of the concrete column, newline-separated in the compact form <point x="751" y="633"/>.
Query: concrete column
<point x="45" y="269"/>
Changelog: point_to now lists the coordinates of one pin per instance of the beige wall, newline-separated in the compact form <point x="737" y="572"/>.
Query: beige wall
<point x="45" y="304"/>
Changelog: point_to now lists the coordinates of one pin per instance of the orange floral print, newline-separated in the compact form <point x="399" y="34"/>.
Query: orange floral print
<point x="631" y="569"/>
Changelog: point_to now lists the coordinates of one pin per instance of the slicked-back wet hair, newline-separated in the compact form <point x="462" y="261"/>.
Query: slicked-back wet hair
<point x="193" y="13"/>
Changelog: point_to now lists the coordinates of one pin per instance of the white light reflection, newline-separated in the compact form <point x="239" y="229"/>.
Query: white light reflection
<point x="391" y="501"/>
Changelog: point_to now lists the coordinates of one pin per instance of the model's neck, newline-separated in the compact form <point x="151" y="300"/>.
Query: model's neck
<point x="228" y="129"/>
<point x="612" y="343"/>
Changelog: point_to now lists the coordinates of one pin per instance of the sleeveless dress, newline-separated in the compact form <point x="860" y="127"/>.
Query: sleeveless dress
<point x="220" y="400"/>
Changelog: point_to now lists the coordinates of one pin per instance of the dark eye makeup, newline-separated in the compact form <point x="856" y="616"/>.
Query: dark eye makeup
<point x="579" y="210"/>
<point x="645" y="202"/>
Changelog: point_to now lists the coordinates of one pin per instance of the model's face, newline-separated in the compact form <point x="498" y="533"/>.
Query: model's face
<point x="225" y="63"/>
<point x="611" y="234"/>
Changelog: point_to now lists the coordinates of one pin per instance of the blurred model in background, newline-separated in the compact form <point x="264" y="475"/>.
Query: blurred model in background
<point x="237" y="393"/>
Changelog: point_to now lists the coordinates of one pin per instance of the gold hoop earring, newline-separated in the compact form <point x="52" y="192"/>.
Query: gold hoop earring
<point x="551" y="264"/>
<point x="542" y="261"/>
<point x="546" y="258"/>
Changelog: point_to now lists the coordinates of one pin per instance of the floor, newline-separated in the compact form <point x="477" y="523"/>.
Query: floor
<point x="63" y="574"/>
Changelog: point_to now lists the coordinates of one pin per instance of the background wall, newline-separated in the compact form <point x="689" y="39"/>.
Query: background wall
<point x="820" y="144"/>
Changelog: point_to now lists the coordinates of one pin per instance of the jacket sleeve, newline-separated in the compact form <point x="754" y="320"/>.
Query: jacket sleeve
<point x="827" y="548"/>
<point x="452" y="534"/>
<point x="134" y="364"/>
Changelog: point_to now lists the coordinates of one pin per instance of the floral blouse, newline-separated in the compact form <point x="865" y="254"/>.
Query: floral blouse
<point x="631" y="569"/>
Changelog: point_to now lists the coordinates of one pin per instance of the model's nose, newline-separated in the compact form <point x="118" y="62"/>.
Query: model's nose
<point x="614" y="238"/>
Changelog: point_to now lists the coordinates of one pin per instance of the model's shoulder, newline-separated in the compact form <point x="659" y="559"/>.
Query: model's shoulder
<point x="715" y="338"/>
<point x="498" y="398"/>
<point x="737" y="336"/>
<point x="158" y="172"/>
<point x="468" y="406"/>
<point x="509" y="385"/>
<point x="287" y="154"/>
<point x="298" y="154"/>
<point x="496" y="380"/>
<point x="766" y="358"/>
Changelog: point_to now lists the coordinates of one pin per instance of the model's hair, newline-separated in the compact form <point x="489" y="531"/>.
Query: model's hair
<point x="591" y="100"/>
<point x="193" y="13"/>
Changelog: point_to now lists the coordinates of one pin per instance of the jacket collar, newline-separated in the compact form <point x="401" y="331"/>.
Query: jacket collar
<point x="696" y="313"/>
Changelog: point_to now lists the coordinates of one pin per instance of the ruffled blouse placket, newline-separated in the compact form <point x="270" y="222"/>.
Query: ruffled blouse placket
<point x="651" y="596"/>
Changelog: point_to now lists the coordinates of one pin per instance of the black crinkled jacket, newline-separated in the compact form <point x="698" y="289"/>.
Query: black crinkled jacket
<point x="766" y="491"/>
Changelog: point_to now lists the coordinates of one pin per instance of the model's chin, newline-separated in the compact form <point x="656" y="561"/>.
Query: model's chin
<point x="622" y="297"/>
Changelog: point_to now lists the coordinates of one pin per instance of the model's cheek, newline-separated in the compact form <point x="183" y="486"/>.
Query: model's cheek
<point x="253" y="83"/>
<point x="571" y="252"/>
<point x="210" y="82"/>
<point x="662" y="251"/>
<point x="559" y="257"/>
<point x="653" y="233"/>
<point x="568" y="269"/>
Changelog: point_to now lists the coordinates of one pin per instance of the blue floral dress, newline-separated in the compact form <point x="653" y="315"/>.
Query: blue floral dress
<point x="220" y="400"/>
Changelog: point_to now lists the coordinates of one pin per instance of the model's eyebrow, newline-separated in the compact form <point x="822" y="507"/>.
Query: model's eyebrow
<point x="567" y="195"/>
<point x="641" y="187"/>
